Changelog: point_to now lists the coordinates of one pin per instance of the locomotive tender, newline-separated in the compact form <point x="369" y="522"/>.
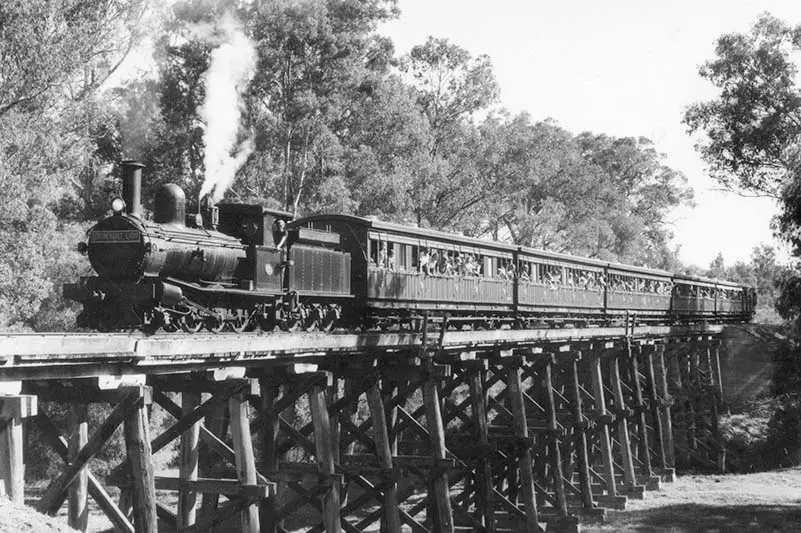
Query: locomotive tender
<point x="239" y="269"/>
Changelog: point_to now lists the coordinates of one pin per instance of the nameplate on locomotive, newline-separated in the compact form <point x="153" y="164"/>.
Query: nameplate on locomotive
<point x="114" y="236"/>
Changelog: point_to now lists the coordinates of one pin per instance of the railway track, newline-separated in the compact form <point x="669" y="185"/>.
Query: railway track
<point x="75" y="355"/>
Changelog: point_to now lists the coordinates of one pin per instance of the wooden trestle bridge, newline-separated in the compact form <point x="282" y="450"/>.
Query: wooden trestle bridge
<point x="444" y="431"/>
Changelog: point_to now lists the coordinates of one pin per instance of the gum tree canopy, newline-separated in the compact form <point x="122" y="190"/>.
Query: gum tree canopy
<point x="752" y="129"/>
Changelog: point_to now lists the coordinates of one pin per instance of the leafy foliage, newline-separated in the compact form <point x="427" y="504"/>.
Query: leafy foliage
<point x="752" y="131"/>
<point x="752" y="127"/>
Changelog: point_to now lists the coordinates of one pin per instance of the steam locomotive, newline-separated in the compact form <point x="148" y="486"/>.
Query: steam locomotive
<point x="243" y="267"/>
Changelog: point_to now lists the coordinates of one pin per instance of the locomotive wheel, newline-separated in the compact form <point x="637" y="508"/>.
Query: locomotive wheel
<point x="312" y="322"/>
<point x="328" y="322"/>
<point x="292" y="322"/>
<point x="170" y="323"/>
<point x="315" y="316"/>
<point x="239" y="324"/>
<point x="191" y="323"/>
<point x="329" y="318"/>
<point x="214" y="324"/>
<point x="267" y="323"/>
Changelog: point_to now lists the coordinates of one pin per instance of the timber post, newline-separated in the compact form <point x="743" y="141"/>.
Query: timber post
<point x="14" y="409"/>
<point x="78" y="509"/>
<point x="484" y="492"/>
<point x="525" y="465"/>
<point x="244" y="458"/>
<point x="580" y="426"/>
<point x="621" y="411"/>
<point x="665" y="406"/>
<point x="137" y="443"/>
<point x="640" y="417"/>
<point x="654" y="407"/>
<point x="269" y="451"/>
<point x="324" y="450"/>
<point x="391" y="519"/>
<point x="600" y="408"/>
<point x="190" y="439"/>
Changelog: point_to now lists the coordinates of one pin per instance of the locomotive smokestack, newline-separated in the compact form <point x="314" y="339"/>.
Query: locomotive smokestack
<point x="132" y="186"/>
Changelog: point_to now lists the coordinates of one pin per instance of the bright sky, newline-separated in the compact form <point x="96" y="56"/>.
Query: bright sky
<point x="621" y="67"/>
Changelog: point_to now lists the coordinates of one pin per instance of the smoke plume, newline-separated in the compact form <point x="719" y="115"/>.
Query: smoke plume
<point x="230" y="71"/>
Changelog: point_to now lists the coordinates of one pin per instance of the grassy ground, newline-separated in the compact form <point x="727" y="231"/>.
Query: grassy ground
<point x="764" y="502"/>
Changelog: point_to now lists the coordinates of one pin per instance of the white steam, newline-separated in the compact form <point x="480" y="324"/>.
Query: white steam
<point x="230" y="71"/>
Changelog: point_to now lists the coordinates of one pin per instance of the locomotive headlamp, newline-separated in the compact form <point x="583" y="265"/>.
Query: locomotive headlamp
<point x="118" y="205"/>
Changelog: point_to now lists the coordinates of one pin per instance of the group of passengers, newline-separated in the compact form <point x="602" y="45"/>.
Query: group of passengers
<point x="630" y="284"/>
<point x="440" y="262"/>
<point x="437" y="262"/>
<point x="434" y="262"/>
<point x="695" y="291"/>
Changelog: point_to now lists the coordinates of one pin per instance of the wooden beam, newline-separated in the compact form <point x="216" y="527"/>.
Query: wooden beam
<point x="555" y="454"/>
<point x="664" y="393"/>
<point x="484" y="494"/>
<point x="137" y="444"/>
<point x="57" y="490"/>
<point x="436" y="431"/>
<point x="96" y="490"/>
<point x="187" y="499"/>
<point x="325" y="457"/>
<point x="515" y="391"/>
<point x="580" y="434"/>
<point x="187" y="420"/>
<point x="245" y="460"/>
<point x="623" y="437"/>
<point x="718" y="376"/>
<point x="653" y="404"/>
<point x="600" y="408"/>
<point x="392" y="522"/>
<point x="679" y="412"/>
<point x="78" y="515"/>
<point x="217" y="422"/>
<point x="228" y="487"/>
<point x="13" y="409"/>
<point x="269" y="452"/>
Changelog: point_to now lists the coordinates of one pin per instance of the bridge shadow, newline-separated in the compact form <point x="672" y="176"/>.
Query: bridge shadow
<point x="700" y="518"/>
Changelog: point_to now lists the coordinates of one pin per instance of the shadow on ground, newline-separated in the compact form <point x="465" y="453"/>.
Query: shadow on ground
<point x="692" y="518"/>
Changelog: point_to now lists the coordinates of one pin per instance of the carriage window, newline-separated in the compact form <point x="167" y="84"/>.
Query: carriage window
<point x="542" y="273"/>
<point x="374" y="251"/>
<point x="392" y="256"/>
<point x="407" y="260"/>
<point x="524" y="271"/>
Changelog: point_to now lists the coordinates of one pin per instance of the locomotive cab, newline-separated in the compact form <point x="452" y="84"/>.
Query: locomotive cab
<point x="253" y="225"/>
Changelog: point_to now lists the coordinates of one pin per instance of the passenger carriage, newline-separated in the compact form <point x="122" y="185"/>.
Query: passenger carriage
<point x="730" y="299"/>
<point x="560" y="285"/>
<point x="398" y="272"/>
<point x="641" y="291"/>
<point x="694" y="297"/>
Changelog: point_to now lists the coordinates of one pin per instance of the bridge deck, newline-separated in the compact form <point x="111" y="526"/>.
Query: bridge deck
<point x="55" y="356"/>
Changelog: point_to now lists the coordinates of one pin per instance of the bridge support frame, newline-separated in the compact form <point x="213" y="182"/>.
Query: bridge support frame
<point x="427" y="437"/>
